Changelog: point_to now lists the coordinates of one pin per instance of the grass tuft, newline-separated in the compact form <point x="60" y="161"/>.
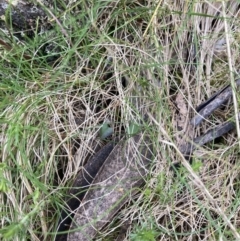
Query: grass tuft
<point x="112" y="62"/>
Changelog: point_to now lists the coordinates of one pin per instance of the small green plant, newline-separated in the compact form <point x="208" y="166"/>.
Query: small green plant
<point x="145" y="232"/>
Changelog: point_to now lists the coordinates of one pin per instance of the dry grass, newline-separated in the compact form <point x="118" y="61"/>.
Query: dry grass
<point x="133" y="57"/>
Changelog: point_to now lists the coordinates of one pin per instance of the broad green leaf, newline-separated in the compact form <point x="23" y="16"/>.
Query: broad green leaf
<point x="133" y="129"/>
<point x="105" y="131"/>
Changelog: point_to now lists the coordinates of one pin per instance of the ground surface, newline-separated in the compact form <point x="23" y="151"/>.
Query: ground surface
<point x="82" y="64"/>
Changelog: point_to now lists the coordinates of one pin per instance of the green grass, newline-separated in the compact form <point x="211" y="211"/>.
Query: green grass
<point x="53" y="105"/>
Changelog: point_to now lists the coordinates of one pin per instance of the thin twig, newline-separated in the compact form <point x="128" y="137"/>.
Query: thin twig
<point x="207" y="108"/>
<point x="187" y="149"/>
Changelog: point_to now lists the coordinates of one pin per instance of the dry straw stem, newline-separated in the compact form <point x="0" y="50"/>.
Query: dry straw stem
<point x="197" y="181"/>
<point x="231" y="73"/>
<point x="152" y="18"/>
